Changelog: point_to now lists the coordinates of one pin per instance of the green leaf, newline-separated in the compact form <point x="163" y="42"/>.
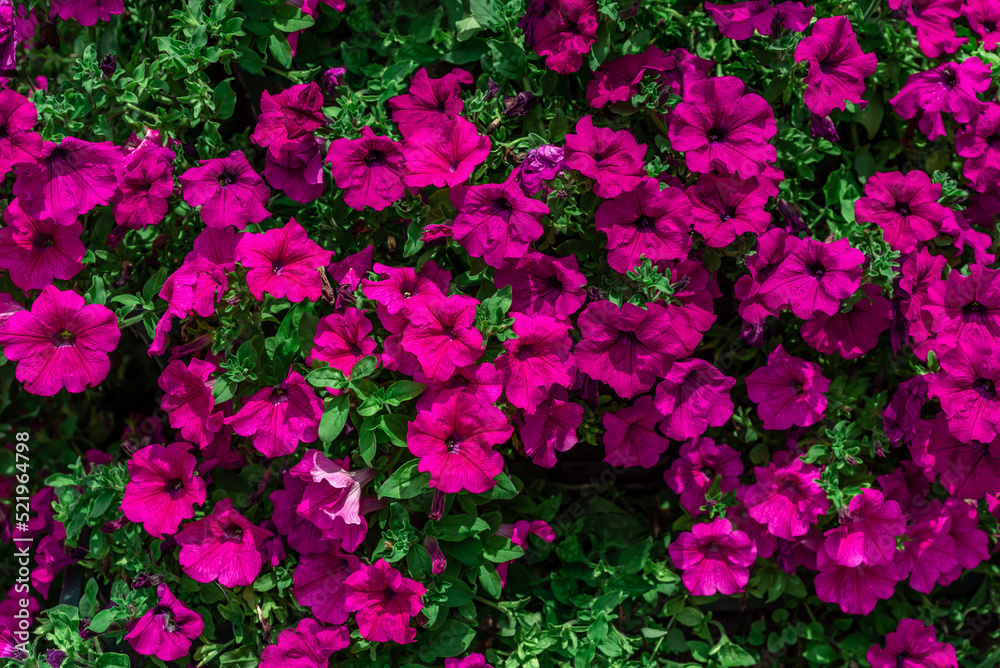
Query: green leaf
<point x="451" y="639"/>
<point x="364" y="367"/>
<point x="490" y="580"/>
<point x="102" y="620"/>
<point x="281" y="50"/>
<point x="509" y="59"/>
<point x="401" y="391"/>
<point x="290" y="19"/>
<point x="484" y="13"/>
<point x="466" y="28"/>
<point x="690" y="616"/>
<point x="335" y="415"/>
<point x="396" y="427"/>
<point x="111" y="659"/>
<point x="634" y="557"/>
<point x="366" y="441"/>
<point x="458" y="527"/>
<point x="225" y="99"/>
<point x="327" y="376"/>
<point x="153" y="285"/>
<point x="60" y="480"/>
<point x="405" y="482"/>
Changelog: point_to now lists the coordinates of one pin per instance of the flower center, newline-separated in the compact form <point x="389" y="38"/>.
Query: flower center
<point x="41" y="240"/>
<point x="973" y="309"/>
<point x="4" y="132"/>
<point x="452" y="444"/>
<point x="375" y="157"/>
<point x="644" y="222"/>
<point x="990" y="26"/>
<point x="713" y="550"/>
<point x="389" y="594"/>
<point x="985" y="387"/>
<point x="716" y="135"/>
<point x="948" y="78"/>
<point x="233" y="532"/>
<point x="278" y="396"/>
<point x="165" y="616"/>
<point x="277" y="266"/>
<point x="63" y="339"/>
<point x="173" y="486"/>
<point x="816" y="269"/>
<point x="227" y="179"/>
<point x="502" y="205"/>
<point x="902" y="208"/>
<point x="728" y="212"/>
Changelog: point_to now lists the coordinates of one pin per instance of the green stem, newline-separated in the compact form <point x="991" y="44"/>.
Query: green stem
<point x="128" y="322"/>
<point x="487" y="602"/>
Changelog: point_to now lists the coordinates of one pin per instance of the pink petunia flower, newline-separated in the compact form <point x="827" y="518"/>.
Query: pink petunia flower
<point x="619" y="79"/>
<point x="934" y="21"/>
<point x="630" y="437"/>
<point x="868" y="535"/>
<point x="496" y="221"/>
<point x="613" y="159"/>
<point x="540" y="165"/>
<point x="283" y="262"/>
<point x="223" y="547"/>
<point x="196" y="287"/>
<point x="905" y="207"/>
<point x="739" y="20"/>
<point x="713" y="558"/>
<point x="165" y="631"/>
<point x="296" y="168"/>
<point x="308" y="645"/>
<point x="929" y="550"/>
<point x="445" y="154"/>
<point x="837" y="66"/>
<point x="693" y="396"/>
<point x="851" y="334"/>
<point x="967" y="387"/>
<point x="645" y="221"/>
<point x="698" y="463"/>
<point x="566" y="33"/>
<point x="368" y="169"/>
<point x="442" y="334"/>
<point x="34" y="252"/>
<point x="544" y="285"/>
<point x="398" y="287"/>
<point x="627" y="347"/>
<point x="279" y="418"/>
<point x="979" y="142"/>
<point x="303" y="536"/>
<point x="551" y="428"/>
<point x="86" y="12"/>
<point x="474" y="660"/>
<point x="964" y="309"/>
<point x="984" y="19"/>
<point x="536" y="360"/>
<point x="18" y="141"/>
<point x="67" y="179"/>
<point x="480" y="380"/>
<point x="145" y="183"/>
<point x="786" y="498"/>
<point x="948" y="88"/>
<point x="429" y="101"/>
<point x="719" y="126"/>
<point x="343" y="339"/>
<point x="320" y="584"/>
<point x="228" y="190"/>
<point x="162" y="489"/>
<point x="814" y="276"/>
<point x="60" y="342"/>
<point x="967" y="470"/>
<point x="518" y="533"/>
<point x="454" y="441"/>
<point x="856" y="589"/>
<point x="385" y="602"/>
<point x="788" y="391"/>
<point x="288" y="116"/>
<point x="912" y="644"/>
<point x="331" y="499"/>
<point x="725" y="207"/>
<point x="188" y="400"/>
<point x="972" y="545"/>
<point x="349" y="270"/>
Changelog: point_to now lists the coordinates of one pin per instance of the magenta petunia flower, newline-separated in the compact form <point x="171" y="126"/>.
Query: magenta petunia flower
<point x="814" y="276"/>
<point x="86" y="12"/>
<point x="551" y="428"/>
<point x="18" y="141"/>
<point x="518" y="533"/>
<point x="331" y="499"/>
<point x="474" y="660"/>
<point x="773" y="246"/>
<point x="368" y="169"/>
<point x="718" y="126"/>
<point x="384" y="602"/>
<point x="713" y="558"/>
<point x="788" y="391"/>
<point x="786" y="498"/>
<point x="162" y="488"/>
<point x="739" y="20"/>
<point x="145" y="183"/>
<point x="223" y="547"/>
<point x="856" y="589"/>
<point x="283" y="262"/>
<point x="496" y="221"/>
<point x="34" y="252"/>
<point x="972" y="545"/>
<point x="967" y="470"/>
<point x="544" y="285"/>
<point x="308" y="645"/>
<point x="851" y="334"/>
<point x="964" y="309"/>
<point x="196" y="287"/>
<point x="228" y="190"/>
<point x="698" y="463"/>
<point x="165" y="631"/>
<point x="725" y="207"/>
<point x="454" y="441"/>
<point x="627" y="347"/>
<point x="536" y="360"/>
<point x="319" y="584"/>
<point x="645" y="221"/>
<point x="398" y="287"/>
<point x="442" y="334"/>
<point x="901" y="418"/>
<point x="868" y="534"/>
<point x="445" y="154"/>
<point x="984" y="19"/>
<point x="566" y="33"/>
<point x="693" y="396"/>
<point x="837" y="66"/>
<point x="429" y="101"/>
<point x="279" y="418"/>
<point x="303" y="536"/>
<point x="613" y="159"/>
<point x="296" y="168"/>
<point x="343" y="339"/>
<point x="929" y="552"/>
<point x="979" y="142"/>
<point x="905" y="207"/>
<point x="60" y="342"/>
<point x="630" y="437"/>
<point x="288" y="116"/>
<point x="218" y="246"/>
<point x="948" y="88"/>
<point x="967" y="387"/>
<point x="349" y="270"/>
<point x="619" y="79"/>
<point x="540" y="165"/>
<point x="912" y="644"/>
<point x="188" y="400"/>
<point x="934" y="21"/>
<point x="67" y="179"/>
